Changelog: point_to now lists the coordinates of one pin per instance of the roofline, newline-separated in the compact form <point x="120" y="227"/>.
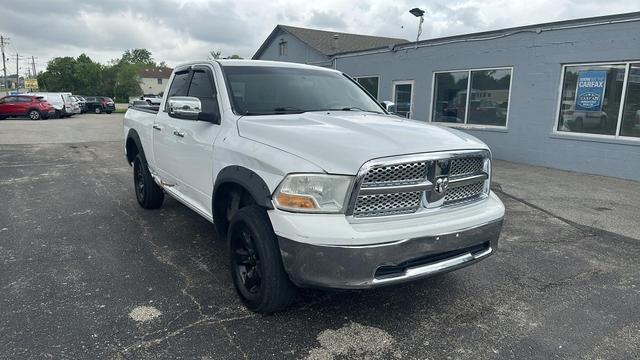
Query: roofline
<point x="273" y="35"/>
<point x="590" y="21"/>
<point x="284" y="28"/>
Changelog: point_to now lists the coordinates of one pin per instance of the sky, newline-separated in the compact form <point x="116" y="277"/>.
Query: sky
<point x="181" y="30"/>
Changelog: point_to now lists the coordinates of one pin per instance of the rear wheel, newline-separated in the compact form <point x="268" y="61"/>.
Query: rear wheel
<point x="256" y="263"/>
<point x="148" y="193"/>
<point x="34" y="115"/>
<point x="108" y="112"/>
<point x="98" y="110"/>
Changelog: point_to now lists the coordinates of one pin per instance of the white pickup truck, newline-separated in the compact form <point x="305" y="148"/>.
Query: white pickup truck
<point x="310" y="180"/>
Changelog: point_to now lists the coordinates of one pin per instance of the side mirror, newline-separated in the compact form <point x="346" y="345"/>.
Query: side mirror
<point x="389" y="106"/>
<point x="184" y="107"/>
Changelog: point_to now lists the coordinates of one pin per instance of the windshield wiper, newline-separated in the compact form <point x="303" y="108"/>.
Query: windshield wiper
<point x="353" y="108"/>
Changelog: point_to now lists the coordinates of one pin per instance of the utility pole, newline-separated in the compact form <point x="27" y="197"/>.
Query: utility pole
<point x="18" y="57"/>
<point x="17" y="73"/>
<point x="3" y="42"/>
<point x="33" y="66"/>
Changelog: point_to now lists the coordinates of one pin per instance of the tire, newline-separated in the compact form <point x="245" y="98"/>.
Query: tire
<point x="148" y="193"/>
<point x="2" y="117"/>
<point x="108" y="112"/>
<point x="149" y="102"/>
<point x="58" y="115"/>
<point x="34" y="115"/>
<point x="98" y="110"/>
<point x="256" y="264"/>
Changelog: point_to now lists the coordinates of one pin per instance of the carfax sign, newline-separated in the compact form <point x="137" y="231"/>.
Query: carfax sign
<point x="590" y="90"/>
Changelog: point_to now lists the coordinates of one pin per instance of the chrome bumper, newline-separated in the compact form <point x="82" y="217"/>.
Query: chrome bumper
<point x="357" y="267"/>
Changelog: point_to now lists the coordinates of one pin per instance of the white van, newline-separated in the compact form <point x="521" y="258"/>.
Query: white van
<point x="60" y="101"/>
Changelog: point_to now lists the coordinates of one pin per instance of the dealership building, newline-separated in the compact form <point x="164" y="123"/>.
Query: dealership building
<point x="564" y="95"/>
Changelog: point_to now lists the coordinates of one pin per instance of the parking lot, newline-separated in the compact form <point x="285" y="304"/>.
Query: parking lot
<point x="86" y="273"/>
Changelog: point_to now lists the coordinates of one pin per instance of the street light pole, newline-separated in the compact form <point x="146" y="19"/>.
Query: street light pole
<point x="419" y="13"/>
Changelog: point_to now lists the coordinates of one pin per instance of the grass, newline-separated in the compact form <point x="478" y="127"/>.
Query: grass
<point x="120" y="111"/>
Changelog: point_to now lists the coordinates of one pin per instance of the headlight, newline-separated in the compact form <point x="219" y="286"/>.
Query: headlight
<point x="318" y="193"/>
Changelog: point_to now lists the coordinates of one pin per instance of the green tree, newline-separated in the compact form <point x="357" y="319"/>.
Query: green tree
<point x="138" y="57"/>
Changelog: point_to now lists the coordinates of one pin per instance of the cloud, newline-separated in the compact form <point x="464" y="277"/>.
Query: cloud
<point x="327" y="20"/>
<point x="180" y="30"/>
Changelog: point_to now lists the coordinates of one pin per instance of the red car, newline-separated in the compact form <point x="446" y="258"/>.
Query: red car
<point x="34" y="107"/>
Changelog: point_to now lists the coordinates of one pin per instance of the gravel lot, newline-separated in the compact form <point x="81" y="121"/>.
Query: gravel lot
<point x="86" y="273"/>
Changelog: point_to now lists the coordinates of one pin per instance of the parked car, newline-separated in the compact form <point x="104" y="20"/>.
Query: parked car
<point x="59" y="102"/>
<point x="34" y="107"/>
<point x="100" y="104"/>
<point x="310" y="181"/>
<point x="81" y="102"/>
<point x="71" y="104"/>
<point x="577" y="120"/>
<point x="151" y="99"/>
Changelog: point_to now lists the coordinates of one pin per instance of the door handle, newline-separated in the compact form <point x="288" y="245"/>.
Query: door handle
<point x="178" y="133"/>
<point x="156" y="127"/>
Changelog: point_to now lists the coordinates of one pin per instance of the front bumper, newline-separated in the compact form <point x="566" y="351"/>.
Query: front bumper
<point x="357" y="267"/>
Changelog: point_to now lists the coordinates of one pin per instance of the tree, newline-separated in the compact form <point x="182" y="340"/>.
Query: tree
<point x="138" y="57"/>
<point x="215" y="54"/>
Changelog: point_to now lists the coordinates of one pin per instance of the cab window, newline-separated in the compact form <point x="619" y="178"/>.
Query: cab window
<point x="203" y="88"/>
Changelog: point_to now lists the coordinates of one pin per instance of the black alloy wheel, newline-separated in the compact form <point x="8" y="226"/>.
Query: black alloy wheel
<point x="247" y="265"/>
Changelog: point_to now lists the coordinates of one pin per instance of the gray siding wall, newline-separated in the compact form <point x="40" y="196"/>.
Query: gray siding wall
<point x="297" y="51"/>
<point x="537" y="61"/>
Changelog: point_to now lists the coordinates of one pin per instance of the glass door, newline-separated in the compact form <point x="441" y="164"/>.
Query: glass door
<point x="403" y="98"/>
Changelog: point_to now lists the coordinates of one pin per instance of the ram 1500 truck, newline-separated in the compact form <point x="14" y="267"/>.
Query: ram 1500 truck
<point x="311" y="181"/>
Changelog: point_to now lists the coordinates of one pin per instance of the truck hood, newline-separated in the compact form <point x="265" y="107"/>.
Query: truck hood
<point x="340" y="142"/>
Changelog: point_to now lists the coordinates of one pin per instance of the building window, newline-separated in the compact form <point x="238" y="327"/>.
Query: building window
<point x="600" y="99"/>
<point x="159" y="81"/>
<point x="487" y="105"/>
<point x="282" y="48"/>
<point x="369" y="83"/>
<point x="403" y="97"/>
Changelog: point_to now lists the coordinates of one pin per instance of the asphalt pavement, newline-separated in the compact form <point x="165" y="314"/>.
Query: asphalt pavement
<point x="85" y="273"/>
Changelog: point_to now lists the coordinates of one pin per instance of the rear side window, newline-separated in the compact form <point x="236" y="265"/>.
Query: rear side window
<point x="24" y="99"/>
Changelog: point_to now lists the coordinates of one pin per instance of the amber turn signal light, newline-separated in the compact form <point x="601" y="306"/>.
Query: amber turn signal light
<point x="295" y="201"/>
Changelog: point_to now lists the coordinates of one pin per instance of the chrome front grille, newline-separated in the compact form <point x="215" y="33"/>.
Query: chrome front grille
<point x="395" y="174"/>
<point x="466" y="166"/>
<point x="463" y="193"/>
<point x="405" y="185"/>
<point x="388" y="204"/>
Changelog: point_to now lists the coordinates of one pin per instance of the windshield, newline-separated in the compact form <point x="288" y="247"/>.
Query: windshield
<point x="262" y="90"/>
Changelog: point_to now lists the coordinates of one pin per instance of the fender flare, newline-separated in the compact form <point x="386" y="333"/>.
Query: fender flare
<point x="133" y="136"/>
<point x="246" y="178"/>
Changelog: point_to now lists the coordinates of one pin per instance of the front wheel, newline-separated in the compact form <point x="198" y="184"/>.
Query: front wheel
<point x="148" y="193"/>
<point x="98" y="110"/>
<point x="256" y="263"/>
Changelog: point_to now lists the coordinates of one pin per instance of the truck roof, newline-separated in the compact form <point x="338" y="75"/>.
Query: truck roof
<point x="242" y="62"/>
